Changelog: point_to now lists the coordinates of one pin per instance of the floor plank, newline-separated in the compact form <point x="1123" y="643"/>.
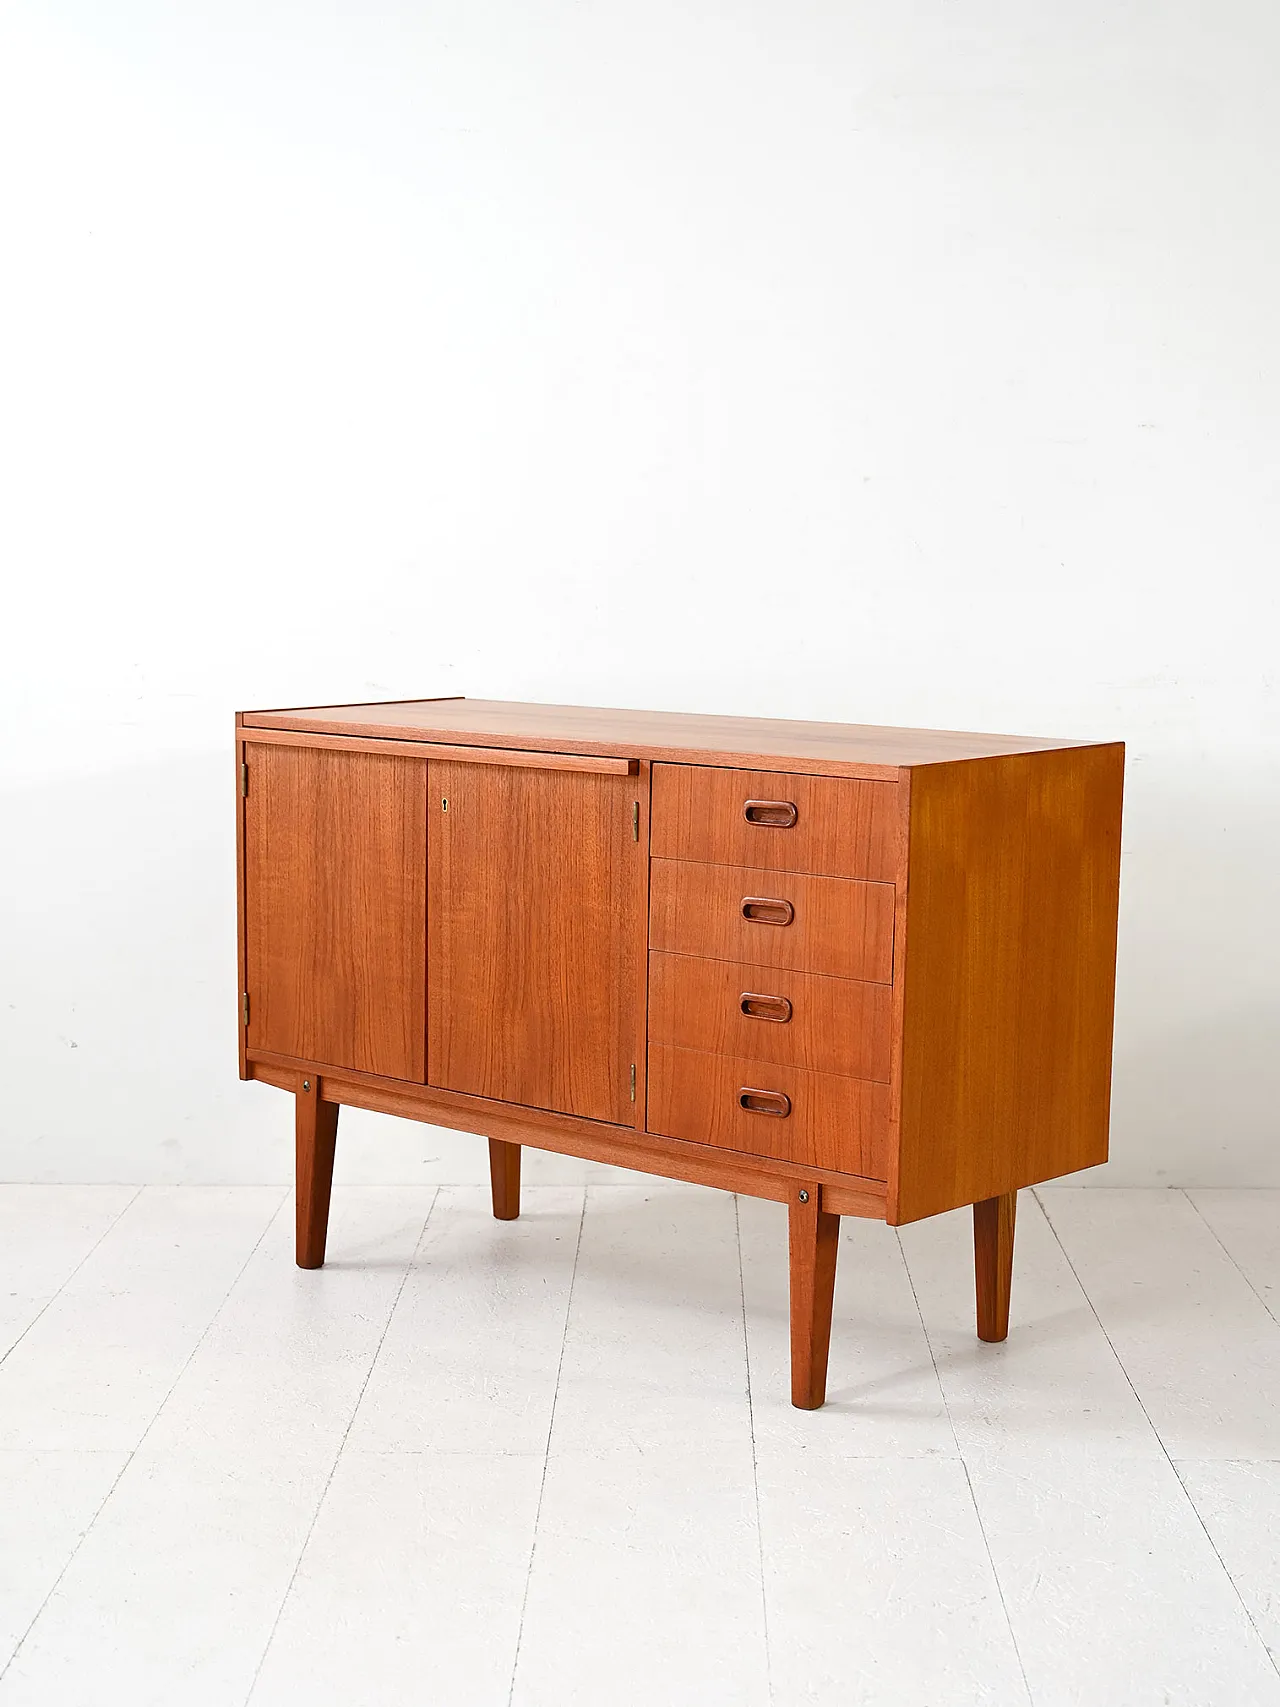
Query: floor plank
<point x="411" y="1585"/>
<point x="1054" y="1386"/>
<point x="92" y="1372"/>
<point x="879" y="1587"/>
<point x="1239" y="1505"/>
<point x="47" y="1502"/>
<point x="654" y="1355"/>
<point x="46" y="1232"/>
<point x="645" y="1582"/>
<point x="1196" y="1341"/>
<point x="1116" y="1597"/>
<point x="1247" y="1223"/>
<point x="470" y="1359"/>
<point x="174" y="1591"/>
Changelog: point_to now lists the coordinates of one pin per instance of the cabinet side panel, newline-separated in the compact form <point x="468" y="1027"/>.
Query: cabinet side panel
<point x="1009" y="974"/>
<point x="335" y="908"/>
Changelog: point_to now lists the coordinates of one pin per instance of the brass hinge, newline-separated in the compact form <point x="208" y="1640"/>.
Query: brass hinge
<point x="244" y="780"/>
<point x="635" y="820"/>
<point x="633" y="1081"/>
<point x="244" y="1006"/>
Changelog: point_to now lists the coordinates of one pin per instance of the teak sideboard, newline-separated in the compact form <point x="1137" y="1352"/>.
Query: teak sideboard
<point x="859" y="971"/>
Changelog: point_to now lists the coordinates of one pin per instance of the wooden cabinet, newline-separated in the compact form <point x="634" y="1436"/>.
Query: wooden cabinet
<point x="858" y="971"/>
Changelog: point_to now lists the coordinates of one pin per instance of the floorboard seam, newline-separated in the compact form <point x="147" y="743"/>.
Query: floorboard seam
<point x="1159" y="1440"/>
<point x="68" y="1278"/>
<point x="1227" y="1253"/>
<point x="141" y="1441"/>
<point x="346" y="1433"/>
<point x="546" y="1457"/>
<point x="755" y="1456"/>
<point x="968" y="1479"/>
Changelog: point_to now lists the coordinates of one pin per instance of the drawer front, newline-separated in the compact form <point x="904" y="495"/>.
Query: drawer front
<point x="820" y="1120"/>
<point x="827" y="1025"/>
<point x="809" y="924"/>
<point x="776" y="821"/>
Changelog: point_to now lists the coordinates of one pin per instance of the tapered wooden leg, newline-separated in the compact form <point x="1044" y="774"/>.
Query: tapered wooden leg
<point x="993" y="1262"/>
<point x="504" y="1178"/>
<point x="316" y="1133"/>
<point x="814" y="1236"/>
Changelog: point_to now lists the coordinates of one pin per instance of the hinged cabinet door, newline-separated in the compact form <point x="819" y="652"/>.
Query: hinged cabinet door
<point x="335" y="908"/>
<point x="535" y="931"/>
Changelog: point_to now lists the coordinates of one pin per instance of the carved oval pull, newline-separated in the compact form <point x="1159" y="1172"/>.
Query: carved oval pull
<point x="775" y="814"/>
<point x="777" y="1103"/>
<point x="767" y="910"/>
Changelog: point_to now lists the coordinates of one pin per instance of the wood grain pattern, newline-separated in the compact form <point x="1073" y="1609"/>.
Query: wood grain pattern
<point x="535" y="917"/>
<point x="836" y="1025"/>
<point x="841" y="928"/>
<point x="1009" y="975"/>
<point x="315" y="1139"/>
<point x="901" y="889"/>
<point x="521" y="758"/>
<point x="593" y="1140"/>
<point x="837" y="1123"/>
<point x="835" y="749"/>
<point x="842" y="828"/>
<point x="643" y="802"/>
<point x="813" y="1243"/>
<point x="241" y="974"/>
<point x="335" y="907"/>
<point x="504" y="1179"/>
<point x="993" y="1225"/>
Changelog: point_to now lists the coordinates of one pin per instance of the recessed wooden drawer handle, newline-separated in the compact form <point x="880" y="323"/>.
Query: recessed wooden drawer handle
<point x="762" y="910"/>
<point x="777" y="814"/>
<point x="764" y="1102"/>
<point x="777" y="1008"/>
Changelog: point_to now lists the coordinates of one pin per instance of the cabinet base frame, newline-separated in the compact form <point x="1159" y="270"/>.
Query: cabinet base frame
<point x="814" y="1206"/>
<point x="591" y="1140"/>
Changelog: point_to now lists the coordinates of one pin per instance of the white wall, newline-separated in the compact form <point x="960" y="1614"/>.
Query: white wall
<point x="907" y="364"/>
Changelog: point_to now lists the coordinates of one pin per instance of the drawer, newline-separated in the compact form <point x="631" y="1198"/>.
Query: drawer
<point x="828" y="1025"/>
<point x="777" y="821"/>
<point x="809" y="924"/>
<point x="823" y="1120"/>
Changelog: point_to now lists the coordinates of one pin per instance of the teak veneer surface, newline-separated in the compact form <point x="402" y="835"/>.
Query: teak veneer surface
<point x="535" y="917"/>
<point x="1008" y="974"/>
<point x="335" y="876"/>
<point x="835" y="1122"/>
<point x="831" y="1025"/>
<point x="838" y="926"/>
<point x="842" y="828"/>
<point x="651" y="734"/>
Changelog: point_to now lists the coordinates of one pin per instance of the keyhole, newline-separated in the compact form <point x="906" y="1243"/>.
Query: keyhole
<point x="444" y="805"/>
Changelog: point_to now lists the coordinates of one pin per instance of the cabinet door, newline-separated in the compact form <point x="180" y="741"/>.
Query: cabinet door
<point x="335" y="908"/>
<point x="535" y="926"/>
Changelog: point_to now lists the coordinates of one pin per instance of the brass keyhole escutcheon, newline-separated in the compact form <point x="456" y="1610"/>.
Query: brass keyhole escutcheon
<point x="444" y="804"/>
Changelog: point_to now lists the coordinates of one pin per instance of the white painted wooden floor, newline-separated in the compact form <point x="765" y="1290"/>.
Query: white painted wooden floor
<point x="553" y="1461"/>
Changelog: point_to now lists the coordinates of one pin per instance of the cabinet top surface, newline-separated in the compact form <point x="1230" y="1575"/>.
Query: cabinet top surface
<point x="676" y="736"/>
<point x="683" y="737"/>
